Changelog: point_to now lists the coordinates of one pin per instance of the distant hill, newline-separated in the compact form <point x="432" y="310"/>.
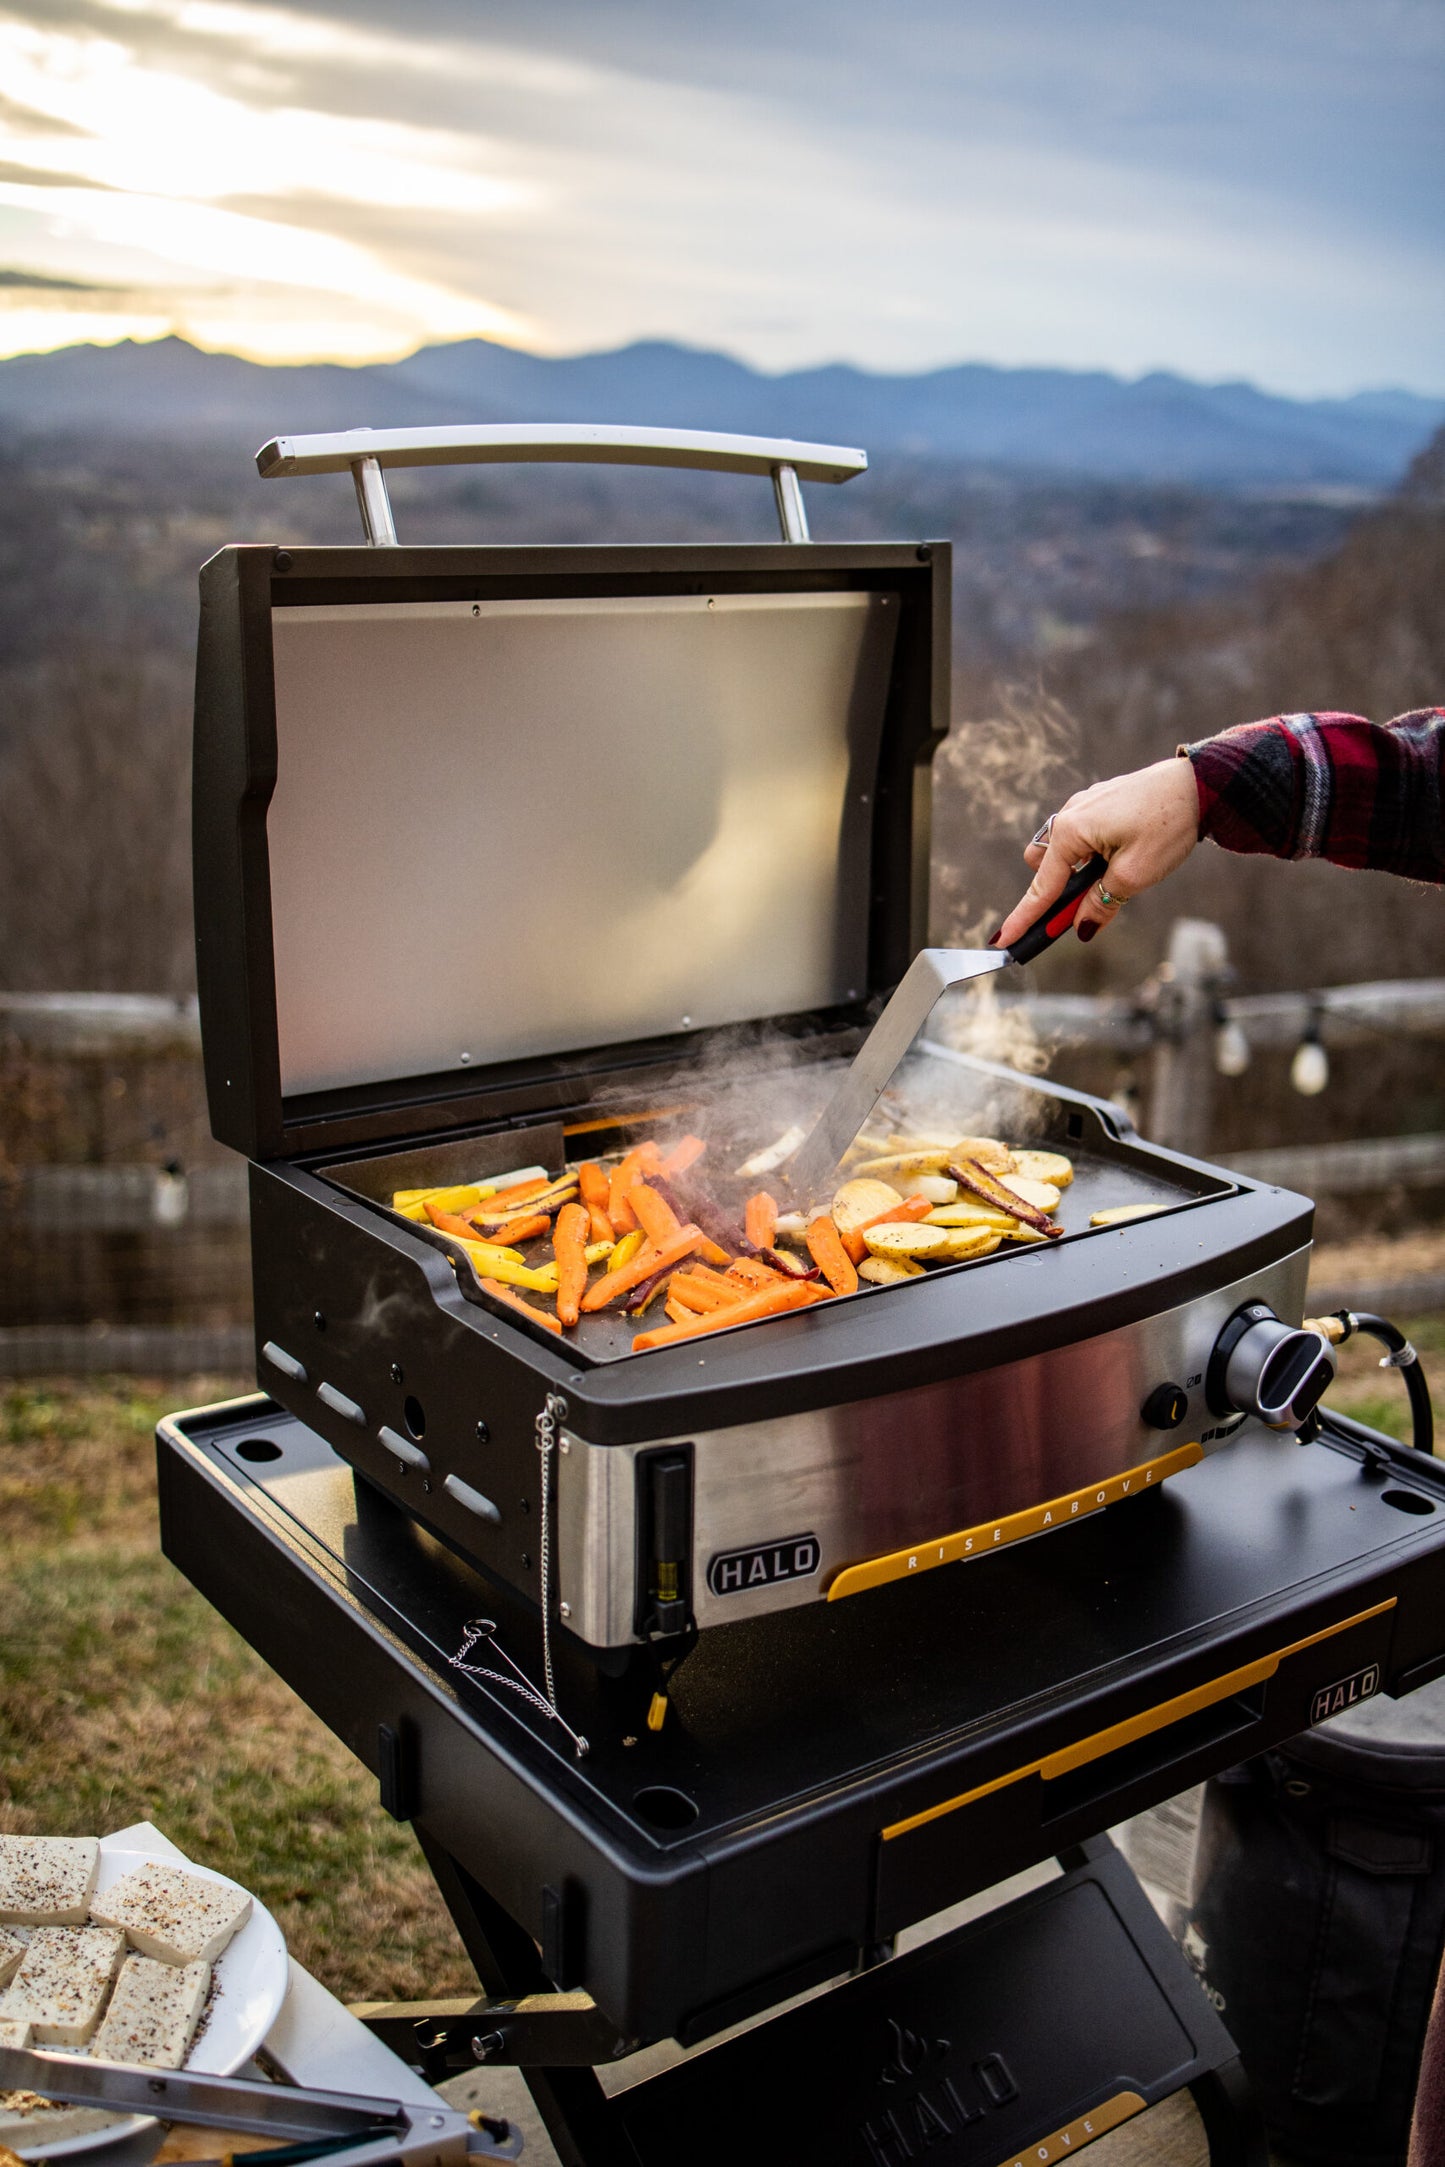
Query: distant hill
<point x="1160" y="428"/>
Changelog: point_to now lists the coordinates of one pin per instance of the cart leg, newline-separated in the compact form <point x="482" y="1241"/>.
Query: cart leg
<point x="1232" y="2120"/>
<point x="571" y="2102"/>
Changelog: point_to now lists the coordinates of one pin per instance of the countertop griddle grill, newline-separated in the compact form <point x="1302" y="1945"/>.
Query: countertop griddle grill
<point x="511" y="856"/>
<point x="832" y="1769"/>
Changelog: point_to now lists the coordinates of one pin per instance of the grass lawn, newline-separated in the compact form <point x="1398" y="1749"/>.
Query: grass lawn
<point x="1376" y="1395"/>
<point x="123" y="1697"/>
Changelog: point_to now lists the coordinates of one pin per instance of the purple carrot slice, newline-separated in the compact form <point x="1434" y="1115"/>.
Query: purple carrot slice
<point x="971" y="1176"/>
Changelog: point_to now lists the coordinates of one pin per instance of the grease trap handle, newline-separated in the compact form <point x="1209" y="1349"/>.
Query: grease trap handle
<point x="368" y="452"/>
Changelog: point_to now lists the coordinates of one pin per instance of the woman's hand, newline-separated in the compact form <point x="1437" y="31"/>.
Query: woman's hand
<point x="1145" y="824"/>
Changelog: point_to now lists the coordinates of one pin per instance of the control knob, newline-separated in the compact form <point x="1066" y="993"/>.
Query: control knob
<point x="1264" y="1367"/>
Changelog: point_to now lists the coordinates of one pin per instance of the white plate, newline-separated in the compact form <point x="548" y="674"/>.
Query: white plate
<point x="248" y="1986"/>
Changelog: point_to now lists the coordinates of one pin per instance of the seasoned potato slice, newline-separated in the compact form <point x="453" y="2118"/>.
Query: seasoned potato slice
<point x="971" y="1241"/>
<point x="861" y="1200"/>
<point x="1117" y="1214"/>
<point x="971" y="1214"/>
<point x="1041" y="1194"/>
<point x="1044" y="1166"/>
<point x="930" y="1161"/>
<point x="902" y="1239"/>
<point x="938" y="1188"/>
<point x="887" y="1271"/>
<point x="985" y="1151"/>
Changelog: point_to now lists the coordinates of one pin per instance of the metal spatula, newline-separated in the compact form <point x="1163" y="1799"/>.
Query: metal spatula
<point x="931" y="973"/>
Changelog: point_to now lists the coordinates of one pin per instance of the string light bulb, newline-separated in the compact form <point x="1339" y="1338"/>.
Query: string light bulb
<point x="1231" y="1047"/>
<point x="1309" y="1071"/>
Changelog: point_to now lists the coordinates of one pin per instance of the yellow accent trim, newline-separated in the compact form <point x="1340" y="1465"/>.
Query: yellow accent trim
<point x="627" y="1121"/>
<point x="1157" y="1718"/>
<point x="1081" y="2131"/>
<point x="977" y="1542"/>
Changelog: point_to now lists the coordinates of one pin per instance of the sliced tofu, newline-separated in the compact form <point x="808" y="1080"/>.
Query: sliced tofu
<point x="13" y="2033"/>
<point x="170" y="1914"/>
<point x="12" y="1952"/>
<point x="47" y="1880"/>
<point x="153" y="2013"/>
<point x="60" y="1988"/>
<point x="27" y="2119"/>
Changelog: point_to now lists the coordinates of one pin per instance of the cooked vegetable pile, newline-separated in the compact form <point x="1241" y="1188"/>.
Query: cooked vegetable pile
<point x="646" y="1229"/>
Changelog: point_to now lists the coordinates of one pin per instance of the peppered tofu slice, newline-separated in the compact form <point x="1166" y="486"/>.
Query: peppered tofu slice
<point x="27" y="2119"/>
<point x="167" y="1913"/>
<point x="60" y="1988"/>
<point x="153" y="2013"/>
<point x="12" y="1952"/>
<point x="47" y="1880"/>
<point x="13" y="2033"/>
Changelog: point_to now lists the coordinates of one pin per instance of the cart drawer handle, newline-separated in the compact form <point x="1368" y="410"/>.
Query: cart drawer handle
<point x="368" y="452"/>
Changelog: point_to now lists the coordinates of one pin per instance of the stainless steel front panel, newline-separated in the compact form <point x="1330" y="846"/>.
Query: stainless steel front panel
<point x="700" y="767"/>
<point x="883" y="1474"/>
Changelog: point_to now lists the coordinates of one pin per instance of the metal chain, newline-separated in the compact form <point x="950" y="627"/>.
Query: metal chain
<point x="519" y="1683"/>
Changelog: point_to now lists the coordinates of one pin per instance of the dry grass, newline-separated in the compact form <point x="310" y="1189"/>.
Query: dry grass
<point x="123" y="1697"/>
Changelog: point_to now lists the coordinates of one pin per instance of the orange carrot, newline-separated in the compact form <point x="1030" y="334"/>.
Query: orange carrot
<point x="500" y="1293"/>
<point x="593" y="1184"/>
<point x="682" y="1156"/>
<point x="653" y="1213"/>
<point x="678" y="1311"/>
<point x="521" y="1227"/>
<point x="569" y="1246"/>
<point x="702" y="1294"/>
<point x="831" y="1258"/>
<point x="752" y="1272"/>
<point x="642" y="1267"/>
<point x="619" y="1181"/>
<point x="517" y="1193"/>
<point x="649" y="1157"/>
<point x="792" y="1294"/>
<point x="710" y="1252"/>
<point x="450" y="1223"/>
<point x="760" y="1221"/>
<point x="914" y="1207"/>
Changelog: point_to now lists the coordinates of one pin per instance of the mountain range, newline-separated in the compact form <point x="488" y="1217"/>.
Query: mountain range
<point x="1159" y="428"/>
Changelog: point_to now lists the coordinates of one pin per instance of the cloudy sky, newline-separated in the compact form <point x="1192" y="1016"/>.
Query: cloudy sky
<point x="1244" y="188"/>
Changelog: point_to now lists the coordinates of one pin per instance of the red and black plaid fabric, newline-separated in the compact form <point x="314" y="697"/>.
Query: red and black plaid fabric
<point x="1359" y="793"/>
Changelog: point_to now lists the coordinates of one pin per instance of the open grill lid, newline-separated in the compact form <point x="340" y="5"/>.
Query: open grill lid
<point x="483" y="833"/>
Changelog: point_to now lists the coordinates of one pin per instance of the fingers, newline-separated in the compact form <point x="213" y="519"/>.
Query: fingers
<point x="1145" y="824"/>
<point x="1053" y="863"/>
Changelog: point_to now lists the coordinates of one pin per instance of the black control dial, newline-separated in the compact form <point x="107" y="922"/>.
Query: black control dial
<point x="1166" y="1407"/>
<point x="1263" y="1367"/>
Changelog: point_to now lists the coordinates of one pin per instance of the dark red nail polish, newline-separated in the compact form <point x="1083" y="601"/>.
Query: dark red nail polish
<point x="1087" y="932"/>
<point x="992" y="941"/>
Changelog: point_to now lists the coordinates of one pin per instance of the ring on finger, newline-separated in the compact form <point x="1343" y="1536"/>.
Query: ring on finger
<point x="1110" y="902"/>
<point x="1040" y="841"/>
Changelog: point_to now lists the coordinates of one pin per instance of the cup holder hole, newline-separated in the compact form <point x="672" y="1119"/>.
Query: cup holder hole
<point x="1407" y="1501"/>
<point x="257" y="1449"/>
<point x="664" y="1807"/>
<point x="413" y="1414"/>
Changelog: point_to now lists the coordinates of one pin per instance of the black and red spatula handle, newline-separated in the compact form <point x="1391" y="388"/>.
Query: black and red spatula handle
<point x="1060" y="914"/>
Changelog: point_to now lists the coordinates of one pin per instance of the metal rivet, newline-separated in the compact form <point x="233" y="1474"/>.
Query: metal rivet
<point x="526" y="1504"/>
<point x="564" y="1610"/>
<point x="484" y="1435"/>
<point x="465" y="1059"/>
<point x="565" y="1447"/>
<point x="526" y="1561"/>
<point x="319" y="1321"/>
<point x="476" y="609"/>
<point x="282" y="560"/>
<point x="687" y="1023"/>
<point x="396" y="1373"/>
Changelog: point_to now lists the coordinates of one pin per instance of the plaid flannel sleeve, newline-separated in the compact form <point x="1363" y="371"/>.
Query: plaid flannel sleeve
<point x="1359" y="793"/>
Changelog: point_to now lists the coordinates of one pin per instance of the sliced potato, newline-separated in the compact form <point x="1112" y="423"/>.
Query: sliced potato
<point x="1117" y="1214"/>
<point x="971" y="1241"/>
<point x="792" y="1226"/>
<point x="859" y="1201"/>
<point x="905" y="1239"/>
<point x="932" y="1161"/>
<point x="1044" y="1166"/>
<point x="938" y="1188"/>
<point x="887" y="1271"/>
<point x="970" y="1214"/>
<point x="985" y="1151"/>
<point x="1041" y="1194"/>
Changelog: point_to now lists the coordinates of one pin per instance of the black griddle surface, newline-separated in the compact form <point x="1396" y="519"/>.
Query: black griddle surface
<point x="776" y="1709"/>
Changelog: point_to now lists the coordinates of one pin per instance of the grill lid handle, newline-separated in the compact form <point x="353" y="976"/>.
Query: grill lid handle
<point x="368" y="452"/>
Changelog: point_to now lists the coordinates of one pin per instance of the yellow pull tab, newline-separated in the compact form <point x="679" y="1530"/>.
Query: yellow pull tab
<point x="657" y="1713"/>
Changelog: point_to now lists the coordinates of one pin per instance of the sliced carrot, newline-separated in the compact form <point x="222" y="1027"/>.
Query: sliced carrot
<point x="760" y="1220"/>
<point x="507" y="1199"/>
<point x="623" y="1177"/>
<point x="792" y="1294"/>
<point x="570" y="1250"/>
<point x="683" y="1155"/>
<point x="653" y="1213"/>
<point x="593" y="1184"/>
<point x="752" y="1272"/>
<point x="712" y="1253"/>
<point x="914" y="1207"/>
<point x="832" y="1259"/>
<point x="642" y="1267"/>
<point x="514" y="1301"/>
<point x="450" y="1223"/>
<point x="702" y="1294"/>
<point x="521" y="1227"/>
<point x="649" y="1157"/>
<point x="678" y="1312"/>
